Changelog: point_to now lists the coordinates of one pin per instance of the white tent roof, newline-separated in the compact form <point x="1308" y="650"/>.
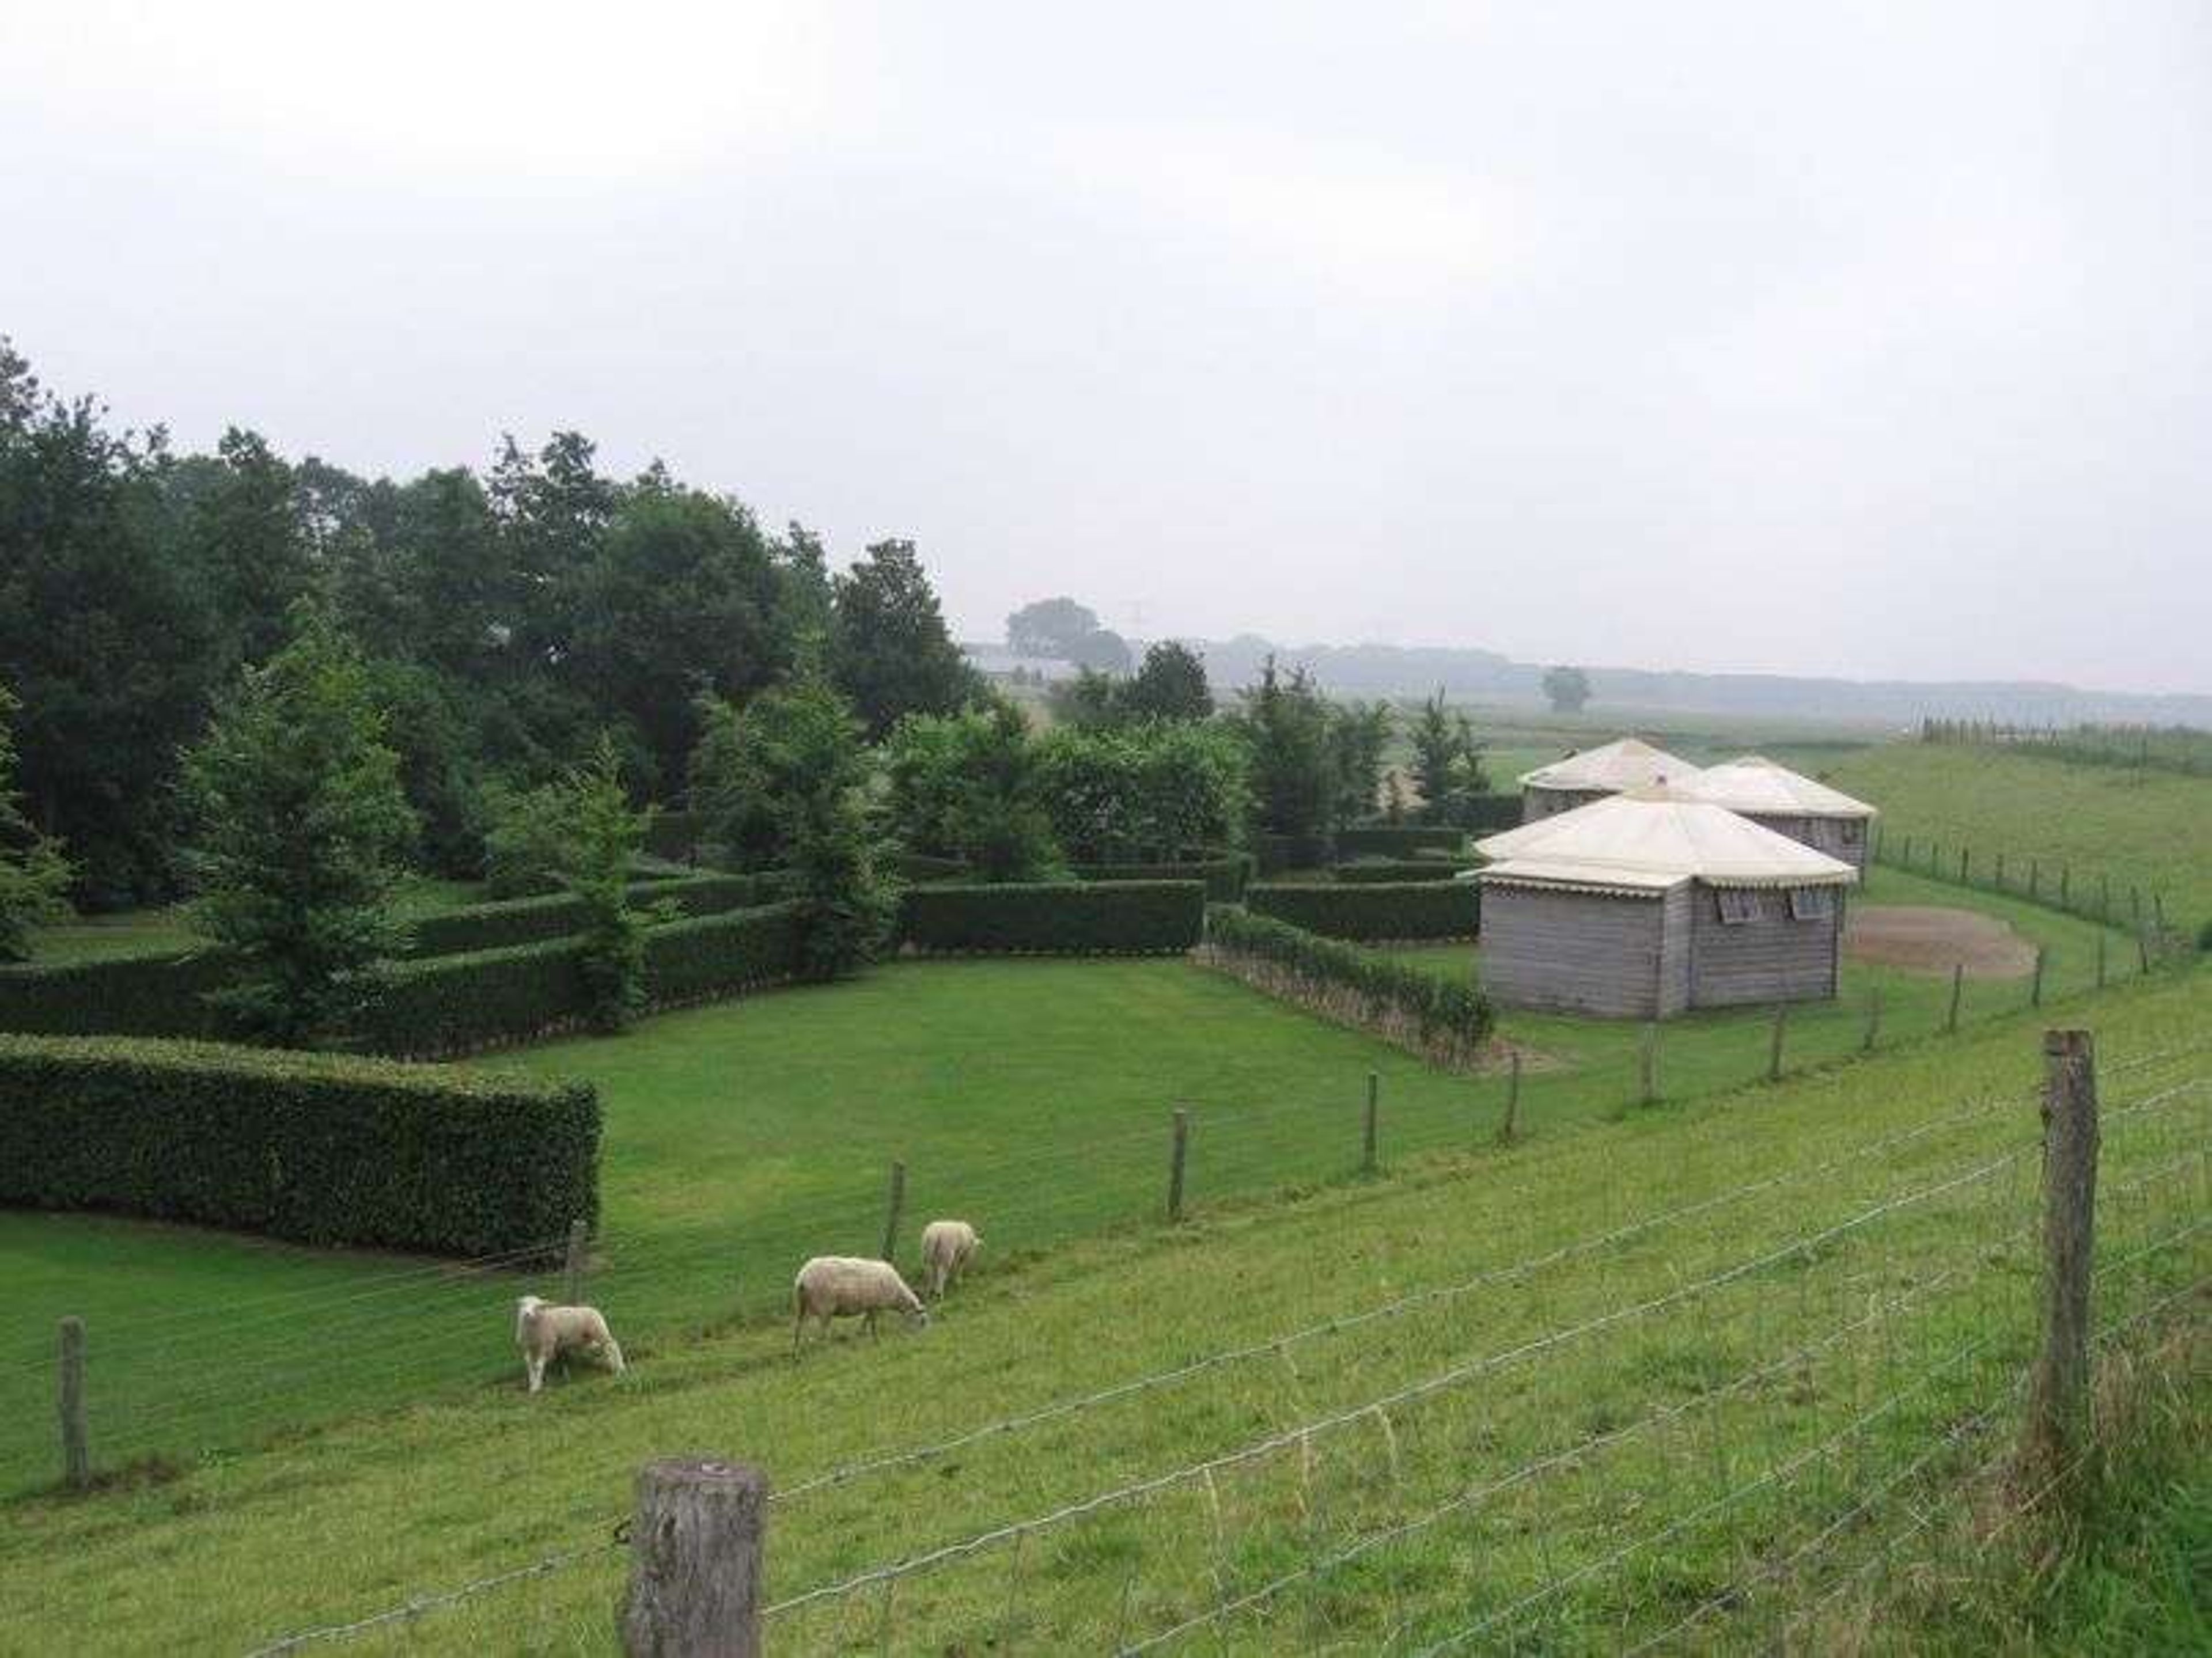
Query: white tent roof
<point x="1628" y="763"/>
<point x="1653" y="838"/>
<point x="1755" y="783"/>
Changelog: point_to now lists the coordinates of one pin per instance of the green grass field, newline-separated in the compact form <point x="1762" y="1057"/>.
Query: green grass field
<point x="1034" y="1095"/>
<point x="1639" y="1368"/>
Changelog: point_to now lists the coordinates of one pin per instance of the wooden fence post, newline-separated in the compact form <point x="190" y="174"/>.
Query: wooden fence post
<point x="1367" y="1128"/>
<point x="1874" y="1019"/>
<point x="572" y="1276"/>
<point x="2065" y="885"/>
<point x="1774" y="1041"/>
<point x="2105" y="897"/>
<point x="1958" y="984"/>
<point x="2158" y="910"/>
<point x="1179" y="1148"/>
<point x="1999" y="876"/>
<point x="1648" y="1065"/>
<point x="2100" y="960"/>
<point x="2035" y="878"/>
<point x="1964" y="856"/>
<point x="2134" y="905"/>
<point x="2058" y="1391"/>
<point x="76" y="1442"/>
<point x="2143" y="950"/>
<point x="2035" y="986"/>
<point x="1507" y="1129"/>
<point x="894" y="1209"/>
<point x="1905" y="857"/>
<point x="695" y="1567"/>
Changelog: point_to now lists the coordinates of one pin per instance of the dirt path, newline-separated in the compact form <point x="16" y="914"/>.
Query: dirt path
<point x="1922" y="938"/>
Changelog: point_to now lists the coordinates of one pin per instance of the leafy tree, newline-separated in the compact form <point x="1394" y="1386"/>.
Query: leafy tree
<point x="1170" y="685"/>
<point x="241" y="530"/>
<point x="1568" y="689"/>
<point x="1102" y="651"/>
<point x="793" y="759"/>
<point x="1050" y="628"/>
<point x="1285" y="720"/>
<point x="1143" y="793"/>
<point x="889" y="649"/>
<point x="301" y="825"/>
<point x="1359" y="734"/>
<point x="1447" y="771"/>
<point x="34" y="877"/>
<point x="604" y="836"/>
<point x="964" y="785"/>
<point x="1090" y="701"/>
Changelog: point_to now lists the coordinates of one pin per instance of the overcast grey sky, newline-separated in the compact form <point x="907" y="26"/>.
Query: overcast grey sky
<point x="1871" y="340"/>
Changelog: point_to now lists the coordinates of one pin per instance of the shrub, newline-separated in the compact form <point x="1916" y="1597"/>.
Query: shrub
<point x="1397" y="840"/>
<point x="130" y="996"/>
<point x="1403" y="909"/>
<point x="1433" y="1017"/>
<point x="1372" y="870"/>
<point x="1135" y="917"/>
<point x="558" y="914"/>
<point x="1273" y="853"/>
<point x="923" y="866"/>
<point x="713" y="955"/>
<point x="322" y="1148"/>
<point x="1223" y="873"/>
<point x="674" y="834"/>
<point x="1144" y="792"/>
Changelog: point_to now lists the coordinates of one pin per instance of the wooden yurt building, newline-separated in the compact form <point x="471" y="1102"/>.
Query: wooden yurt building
<point x="1593" y="774"/>
<point x="1789" y="803"/>
<point x="1646" y="904"/>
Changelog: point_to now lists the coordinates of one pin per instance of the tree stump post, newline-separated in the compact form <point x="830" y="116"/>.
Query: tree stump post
<point x="2058" y="1390"/>
<point x="1957" y="985"/>
<point x="1511" y="1125"/>
<point x="2100" y="960"/>
<point x="1647" y="1066"/>
<point x="2035" y="878"/>
<point x="695" y="1571"/>
<point x="1367" y="1147"/>
<point x="894" y="1210"/>
<point x="572" y="1276"/>
<point x="2035" y="984"/>
<point x="1775" y="1039"/>
<point x="1178" y="1151"/>
<point x="1873" y="1020"/>
<point x="76" y="1442"/>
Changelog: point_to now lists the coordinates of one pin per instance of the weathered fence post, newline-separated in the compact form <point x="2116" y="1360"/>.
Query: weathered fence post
<point x="572" y="1276"/>
<point x="695" y="1567"/>
<point x="1648" y="1065"/>
<point x="1964" y="856"/>
<point x="76" y="1442"/>
<point x="2143" y="950"/>
<point x="1367" y="1128"/>
<point x="2158" y="909"/>
<point x="2035" y="878"/>
<point x="2105" y="897"/>
<point x="2100" y="960"/>
<point x="1958" y="984"/>
<point x="1179" y="1148"/>
<point x="2035" y="986"/>
<point x="1874" y="1019"/>
<point x="1507" y="1129"/>
<point x="1999" y="876"/>
<point x="2058" y="1392"/>
<point x="2065" y="885"/>
<point x="1905" y="857"/>
<point x="894" y="1209"/>
<point x="1774" y="1041"/>
<point x="2134" y="905"/>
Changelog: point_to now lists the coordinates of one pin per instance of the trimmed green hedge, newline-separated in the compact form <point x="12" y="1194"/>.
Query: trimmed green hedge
<point x="322" y="1148"/>
<point x="460" y="1004"/>
<point x="1405" y="909"/>
<point x="1121" y="918"/>
<point x="1273" y="853"/>
<point x="1370" y="871"/>
<point x="128" y="996"/>
<point x="1397" y="840"/>
<point x="1443" y="1014"/>
<point x="674" y="834"/>
<point x="557" y="915"/>
<point x="1223" y="873"/>
<point x="928" y="866"/>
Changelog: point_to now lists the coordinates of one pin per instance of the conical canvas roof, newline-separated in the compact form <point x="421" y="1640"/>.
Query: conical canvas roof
<point x="1627" y="763"/>
<point x="1755" y="783"/>
<point x="1655" y="837"/>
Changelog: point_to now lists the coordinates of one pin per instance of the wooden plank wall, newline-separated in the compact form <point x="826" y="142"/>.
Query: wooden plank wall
<point x="1572" y="952"/>
<point x="1771" y="959"/>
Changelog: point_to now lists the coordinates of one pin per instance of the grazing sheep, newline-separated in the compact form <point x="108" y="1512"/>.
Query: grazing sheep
<point x="545" y="1333"/>
<point x="947" y="1247"/>
<point x="845" y="1286"/>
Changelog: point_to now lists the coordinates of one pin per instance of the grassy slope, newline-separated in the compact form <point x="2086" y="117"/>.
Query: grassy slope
<point x="742" y="1138"/>
<point x="1669" y="1439"/>
<point x="2154" y="831"/>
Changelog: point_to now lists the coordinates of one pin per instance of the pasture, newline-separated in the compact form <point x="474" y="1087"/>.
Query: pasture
<point x="1609" y="1363"/>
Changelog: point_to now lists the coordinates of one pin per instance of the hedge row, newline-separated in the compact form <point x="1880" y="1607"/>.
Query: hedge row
<point x="129" y="996"/>
<point x="1403" y="909"/>
<point x="1371" y="871"/>
<point x="323" y="1148"/>
<point x="1446" y="1018"/>
<point x="674" y="834"/>
<point x="1121" y="918"/>
<point x="1275" y="853"/>
<point x="1223" y="873"/>
<point x="460" y="1004"/>
<point x="557" y="915"/>
<point x="928" y="866"/>
<point x="1397" y="840"/>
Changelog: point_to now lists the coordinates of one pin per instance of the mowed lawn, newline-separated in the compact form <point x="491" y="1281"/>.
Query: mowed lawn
<point x="1566" y="1393"/>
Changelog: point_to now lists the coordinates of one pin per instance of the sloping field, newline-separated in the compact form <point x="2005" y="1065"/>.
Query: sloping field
<point x="1593" y="1390"/>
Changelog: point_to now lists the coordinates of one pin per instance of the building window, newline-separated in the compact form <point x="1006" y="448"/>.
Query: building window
<point x="1854" y="831"/>
<point x="1736" y="905"/>
<point x="1812" y="903"/>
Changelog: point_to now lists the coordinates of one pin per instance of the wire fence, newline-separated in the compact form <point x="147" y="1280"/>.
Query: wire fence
<point x="1548" y="1463"/>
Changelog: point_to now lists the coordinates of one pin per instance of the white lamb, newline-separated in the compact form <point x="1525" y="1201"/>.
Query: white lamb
<point x="947" y="1247"/>
<point x="545" y="1333"/>
<point x="845" y="1286"/>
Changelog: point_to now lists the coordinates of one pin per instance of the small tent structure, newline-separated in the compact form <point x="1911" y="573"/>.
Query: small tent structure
<point x="1789" y="803"/>
<point x="1645" y="904"/>
<point x="1627" y="763"/>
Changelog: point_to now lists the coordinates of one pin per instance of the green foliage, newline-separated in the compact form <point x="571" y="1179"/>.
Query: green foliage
<point x="1568" y="689"/>
<point x="320" y="1148"/>
<point x="1273" y="853"/>
<point x="1102" y="651"/>
<point x="890" y="651"/>
<point x="1285" y="722"/>
<point x="523" y="847"/>
<point x="1049" y="627"/>
<point x="965" y="787"/>
<point x="1406" y="910"/>
<point x="301" y="825"/>
<point x="1444" y="1010"/>
<point x="1092" y="701"/>
<point x="1145" y="793"/>
<point x="1170" y="685"/>
<point x="124" y="995"/>
<point x="674" y="834"/>
<point x="1223" y="874"/>
<point x="1447" y="771"/>
<point x="1373" y="871"/>
<point x="34" y="877"/>
<point x="604" y="837"/>
<point x="1397" y="841"/>
<point x="1138" y="918"/>
<point x="1358" y="735"/>
<point x="561" y="914"/>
